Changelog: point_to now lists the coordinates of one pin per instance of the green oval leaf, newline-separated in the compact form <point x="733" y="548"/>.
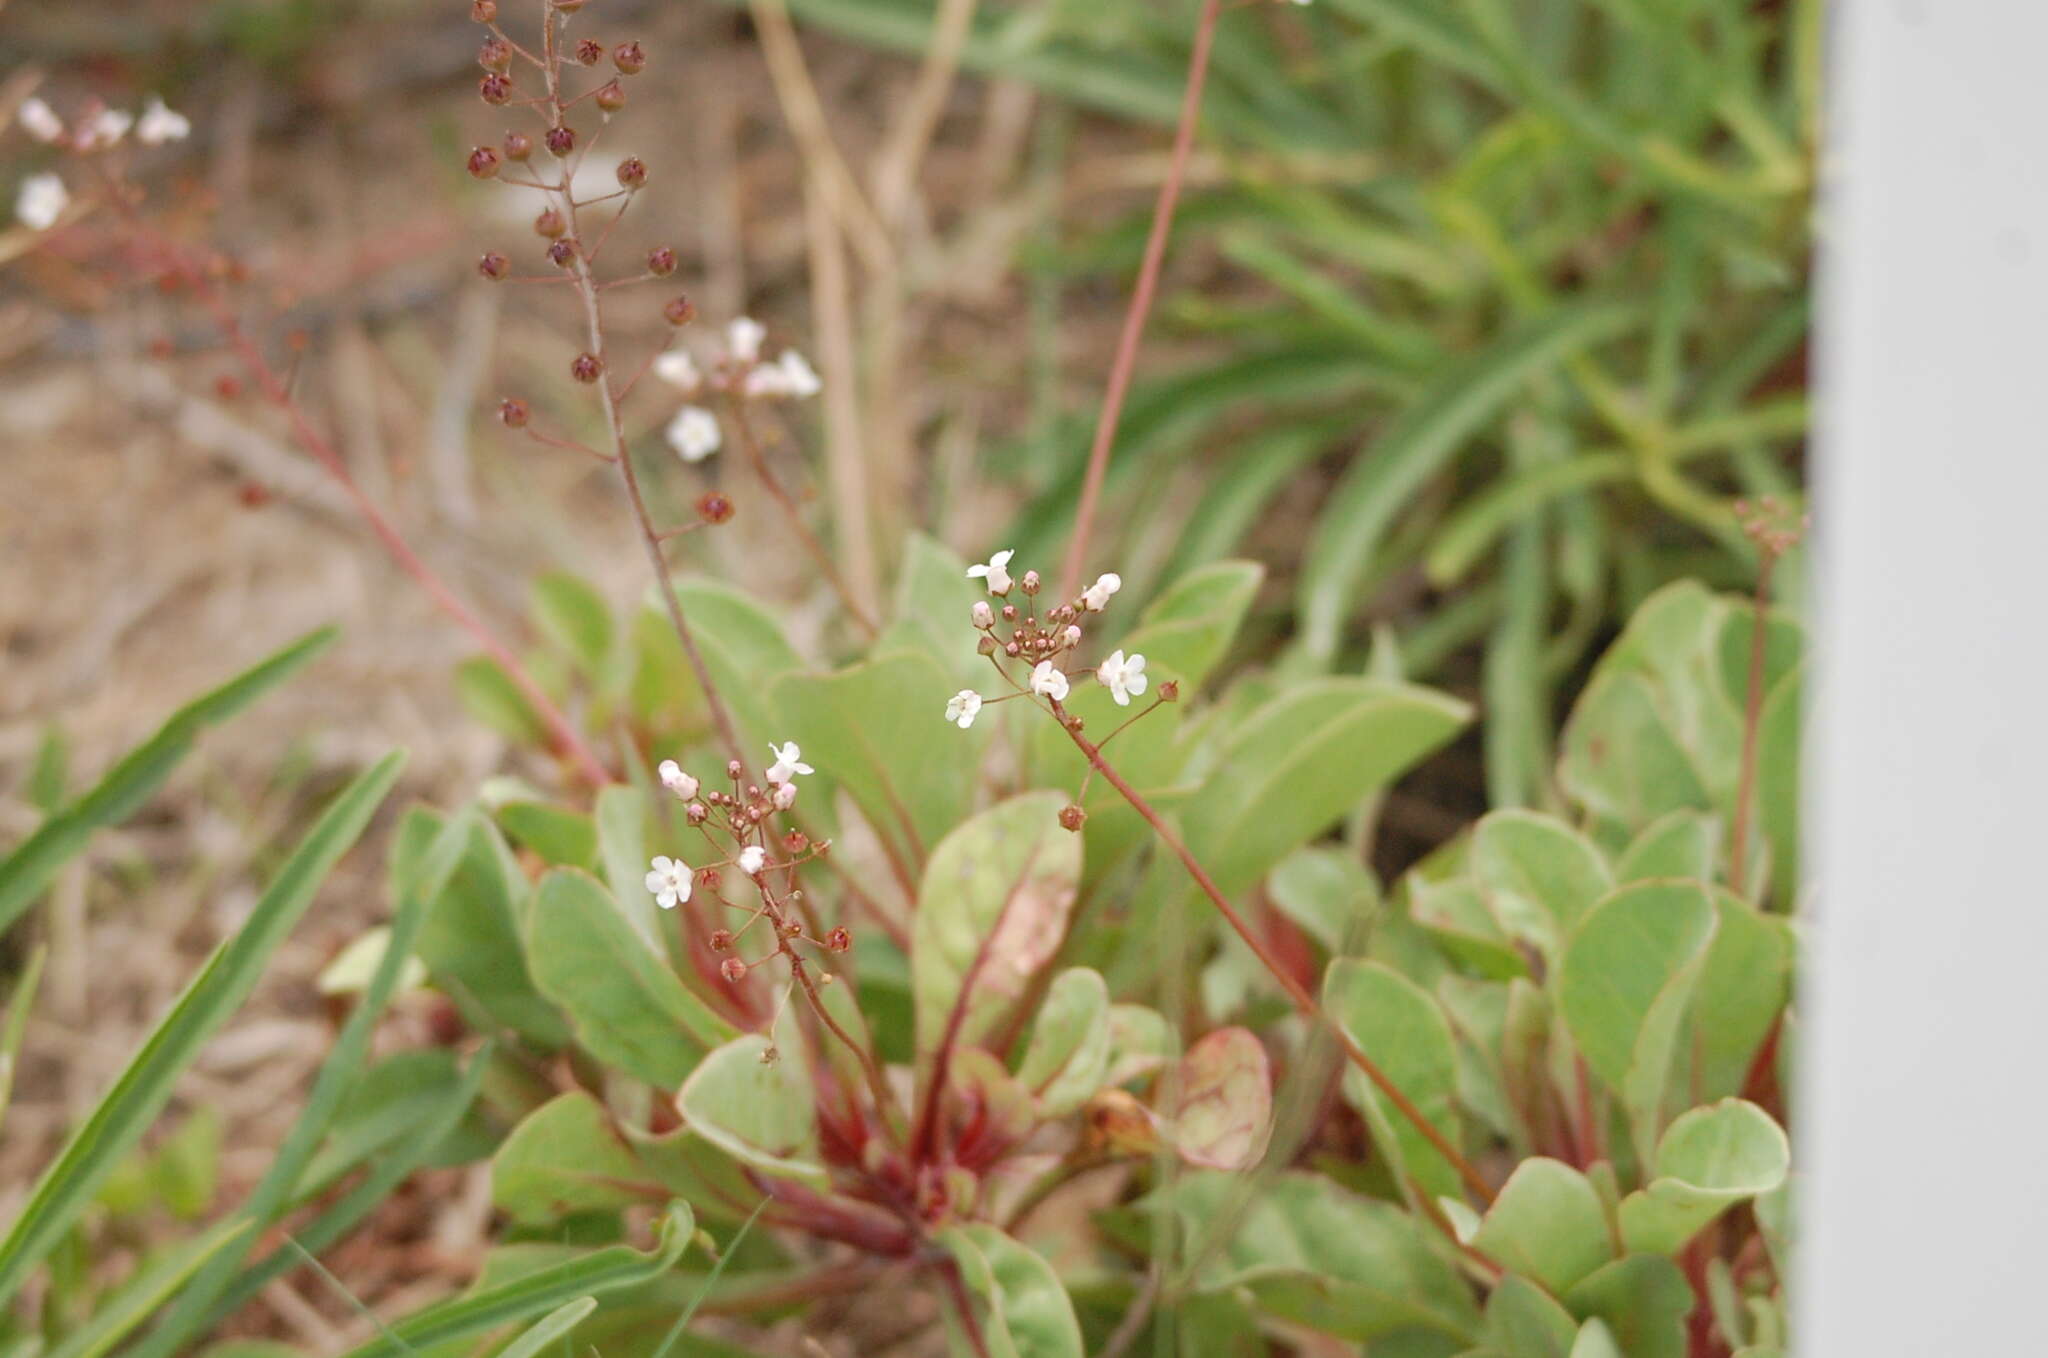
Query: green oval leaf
<point x="1067" y="1059"/>
<point x="1708" y="1160"/>
<point x="1546" y="1224"/>
<point x="752" y="1099"/>
<point x="1404" y="1030"/>
<point x="1024" y="1311"/>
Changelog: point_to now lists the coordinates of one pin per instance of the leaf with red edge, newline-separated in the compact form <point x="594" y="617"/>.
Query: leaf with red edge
<point x="1224" y="1111"/>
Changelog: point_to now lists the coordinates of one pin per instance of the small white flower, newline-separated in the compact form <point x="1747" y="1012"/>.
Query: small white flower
<point x="1048" y="681"/>
<point x="1122" y="677"/>
<point x="789" y="760"/>
<point x="39" y="120"/>
<point x="798" y="374"/>
<point x="790" y="376"/>
<point x="105" y="128"/>
<point x="1073" y="634"/>
<point x="743" y="339"/>
<point x="752" y="859"/>
<point x="675" y="780"/>
<point x="693" y="433"/>
<point x="1095" y="598"/>
<point x="42" y="201"/>
<point x="962" y="707"/>
<point x="995" y="571"/>
<point x="784" y="796"/>
<point x="160" y="124"/>
<point x="678" y="369"/>
<point x="669" y="881"/>
<point x="984" y="616"/>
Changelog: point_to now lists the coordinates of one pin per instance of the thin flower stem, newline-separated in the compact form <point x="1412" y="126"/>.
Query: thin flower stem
<point x="1126" y="358"/>
<point x="561" y="731"/>
<point x="586" y="287"/>
<point x="878" y="1088"/>
<point x="737" y="404"/>
<point x="1752" y="718"/>
<point x="1302" y="1000"/>
<point x="957" y="1293"/>
<point x="567" y="445"/>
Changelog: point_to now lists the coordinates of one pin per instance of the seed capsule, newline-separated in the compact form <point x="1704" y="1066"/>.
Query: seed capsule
<point x="590" y="51"/>
<point x="495" y="55"/>
<point x="610" y="96"/>
<point x="494" y="88"/>
<point x="732" y="969"/>
<point x="514" y="412"/>
<point x="493" y="265"/>
<point x="679" y="310"/>
<point x="630" y="58"/>
<point x="585" y="367"/>
<point x="550" y="224"/>
<point x="518" y="146"/>
<point x="483" y="163"/>
<point x="632" y="172"/>
<point x="661" y="261"/>
<point x="560" y="141"/>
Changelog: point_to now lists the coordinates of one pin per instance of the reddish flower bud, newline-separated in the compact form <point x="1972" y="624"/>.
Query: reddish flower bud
<point x="1011" y="648"/>
<point x="518" y="146"/>
<point x="610" y="96"/>
<point x="483" y="163"/>
<point x="495" y="55"/>
<point x="839" y="940"/>
<point x="514" y="412"/>
<point x="1071" y="817"/>
<point x="732" y="969"/>
<point x="630" y="58"/>
<point x="695" y="813"/>
<point x="708" y="877"/>
<point x="494" y="88"/>
<point x="562" y="253"/>
<point x="987" y="645"/>
<point x="714" y="507"/>
<point x="1169" y="692"/>
<point x="493" y="265"/>
<point x="679" y="311"/>
<point x="560" y="140"/>
<point x="549" y="224"/>
<point x="632" y="172"/>
<point x="483" y="11"/>
<point x="721" y="940"/>
<point x="1030" y="582"/>
<point x="733" y="769"/>
<point x="585" y="367"/>
<point x="661" y="261"/>
<point x="589" y="52"/>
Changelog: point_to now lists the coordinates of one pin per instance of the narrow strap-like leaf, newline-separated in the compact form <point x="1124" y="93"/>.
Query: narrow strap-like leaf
<point x="28" y="869"/>
<point x="128" y="1109"/>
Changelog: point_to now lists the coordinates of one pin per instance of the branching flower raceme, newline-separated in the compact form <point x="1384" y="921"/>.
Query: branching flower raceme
<point x="1016" y="636"/>
<point x="43" y="198"/>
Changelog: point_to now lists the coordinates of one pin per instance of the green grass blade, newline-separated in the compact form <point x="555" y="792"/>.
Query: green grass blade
<point x="28" y="869"/>
<point x="549" y="1328"/>
<point x="272" y="1194"/>
<point x="16" y="1027"/>
<point x="1418" y="445"/>
<point x="710" y="1281"/>
<point x="538" y="1293"/>
<point x="115" y="1316"/>
<point x="215" y="993"/>
<point x="341" y="1218"/>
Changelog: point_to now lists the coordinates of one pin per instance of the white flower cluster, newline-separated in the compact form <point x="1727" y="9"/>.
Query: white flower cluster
<point x="668" y="879"/>
<point x="42" y="199"/>
<point x="693" y="431"/>
<point x="1043" y="640"/>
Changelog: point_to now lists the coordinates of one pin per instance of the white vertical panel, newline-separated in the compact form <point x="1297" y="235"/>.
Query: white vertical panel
<point x="1924" y="1109"/>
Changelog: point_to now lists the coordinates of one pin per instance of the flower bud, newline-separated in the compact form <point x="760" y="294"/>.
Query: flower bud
<point x="630" y="58"/>
<point x="661" y="261"/>
<point x="984" y="616"/>
<point x="493" y="265"/>
<point x="560" y="141"/>
<point x="732" y="969"/>
<point x="1169" y="692"/>
<point x="495" y="55"/>
<point x="839" y="940"/>
<point x="695" y="813"/>
<point x="549" y="224"/>
<point x="795" y="840"/>
<point x="1009" y="612"/>
<point x="714" y="507"/>
<point x="1071" y="817"/>
<point x="785" y="796"/>
<point x="721" y="940"/>
<point x="733" y="769"/>
<point x="610" y="96"/>
<point x="632" y="172"/>
<point x="709" y="877"/>
<point x="585" y="367"/>
<point x="518" y="146"/>
<point x="588" y="52"/>
<point x="1073" y="634"/>
<point x="679" y="310"/>
<point x="1011" y="648"/>
<point x="1030" y="582"/>
<point x="562" y="252"/>
<point x="986" y="646"/>
<point x="514" y="412"/>
<point x="483" y="11"/>
<point x="494" y="88"/>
